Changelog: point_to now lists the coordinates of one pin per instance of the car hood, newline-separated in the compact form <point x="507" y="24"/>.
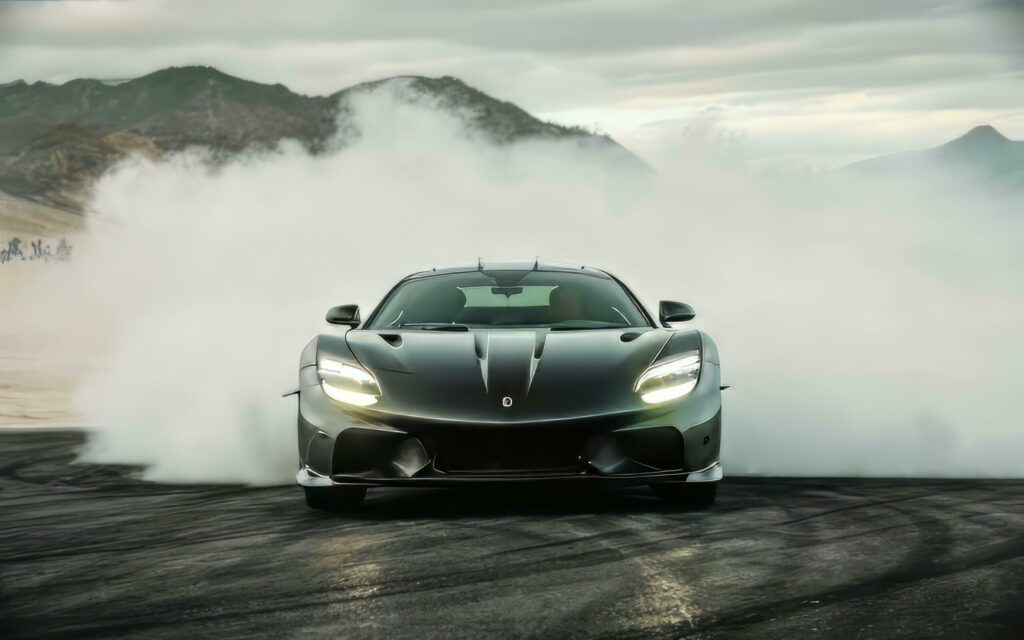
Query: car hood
<point x="507" y="375"/>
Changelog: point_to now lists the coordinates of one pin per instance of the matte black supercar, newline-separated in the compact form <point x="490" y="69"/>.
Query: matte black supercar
<point x="509" y="373"/>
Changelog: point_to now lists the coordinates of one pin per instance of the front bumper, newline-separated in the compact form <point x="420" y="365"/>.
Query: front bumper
<point x="679" y="443"/>
<point x="442" y="455"/>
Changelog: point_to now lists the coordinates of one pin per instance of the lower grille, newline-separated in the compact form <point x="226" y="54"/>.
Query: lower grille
<point x="486" y="449"/>
<point x="500" y="449"/>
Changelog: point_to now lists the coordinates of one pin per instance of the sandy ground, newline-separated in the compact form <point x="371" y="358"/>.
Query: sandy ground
<point x="38" y="372"/>
<point x="36" y="387"/>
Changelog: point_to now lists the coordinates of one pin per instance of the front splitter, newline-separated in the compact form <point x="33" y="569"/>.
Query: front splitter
<point x="713" y="473"/>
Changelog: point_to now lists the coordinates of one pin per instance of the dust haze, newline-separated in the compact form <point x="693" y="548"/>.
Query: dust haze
<point x="867" y="327"/>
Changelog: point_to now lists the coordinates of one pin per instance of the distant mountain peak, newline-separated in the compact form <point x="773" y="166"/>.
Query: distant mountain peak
<point x="982" y="134"/>
<point x="190" y="75"/>
<point x="195" y="70"/>
<point x="982" y="153"/>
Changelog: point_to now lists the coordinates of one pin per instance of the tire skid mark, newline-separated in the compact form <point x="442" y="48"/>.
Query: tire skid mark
<point x="917" y="566"/>
<point x="214" y="560"/>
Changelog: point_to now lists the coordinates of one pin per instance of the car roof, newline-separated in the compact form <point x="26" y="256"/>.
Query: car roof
<point x="524" y="265"/>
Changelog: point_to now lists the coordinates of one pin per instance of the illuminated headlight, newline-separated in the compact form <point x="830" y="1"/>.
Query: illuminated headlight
<point x="349" y="384"/>
<point x="669" y="380"/>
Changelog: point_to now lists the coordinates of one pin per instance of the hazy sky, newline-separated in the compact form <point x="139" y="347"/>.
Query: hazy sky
<point x="786" y="82"/>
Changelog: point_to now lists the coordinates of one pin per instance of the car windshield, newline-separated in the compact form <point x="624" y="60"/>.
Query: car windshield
<point x="484" y="299"/>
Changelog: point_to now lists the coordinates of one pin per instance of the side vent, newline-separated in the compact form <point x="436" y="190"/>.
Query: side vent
<point x="392" y="339"/>
<point x="629" y="336"/>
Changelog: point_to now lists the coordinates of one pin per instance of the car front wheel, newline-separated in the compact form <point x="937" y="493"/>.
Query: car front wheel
<point x="334" y="498"/>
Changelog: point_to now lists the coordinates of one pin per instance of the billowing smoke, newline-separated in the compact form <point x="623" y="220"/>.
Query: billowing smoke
<point x="866" y="327"/>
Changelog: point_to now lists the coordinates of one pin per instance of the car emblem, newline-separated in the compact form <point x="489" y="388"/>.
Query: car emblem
<point x="506" y="402"/>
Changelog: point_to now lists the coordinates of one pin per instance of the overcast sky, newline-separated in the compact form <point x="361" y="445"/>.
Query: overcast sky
<point x="790" y="83"/>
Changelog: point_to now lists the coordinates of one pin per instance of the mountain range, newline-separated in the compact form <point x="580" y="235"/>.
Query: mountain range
<point x="56" y="140"/>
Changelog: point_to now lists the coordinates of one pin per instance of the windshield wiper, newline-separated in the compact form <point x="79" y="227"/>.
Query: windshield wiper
<point x="436" y="326"/>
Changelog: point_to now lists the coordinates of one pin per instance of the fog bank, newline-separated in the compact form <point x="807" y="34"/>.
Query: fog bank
<point x="866" y="327"/>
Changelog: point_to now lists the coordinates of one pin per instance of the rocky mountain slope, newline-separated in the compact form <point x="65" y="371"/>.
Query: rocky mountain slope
<point x="55" y="140"/>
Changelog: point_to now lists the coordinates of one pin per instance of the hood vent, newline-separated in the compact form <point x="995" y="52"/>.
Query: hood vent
<point x="480" y="344"/>
<point x="508" y="360"/>
<point x="480" y="341"/>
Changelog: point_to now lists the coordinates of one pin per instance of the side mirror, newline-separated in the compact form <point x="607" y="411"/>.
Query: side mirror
<point x="675" y="312"/>
<point x="345" y="314"/>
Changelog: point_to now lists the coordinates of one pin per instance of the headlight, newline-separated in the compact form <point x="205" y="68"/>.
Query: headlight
<point x="347" y="383"/>
<point x="670" y="379"/>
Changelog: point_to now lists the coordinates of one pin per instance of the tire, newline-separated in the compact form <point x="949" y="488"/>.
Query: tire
<point x="700" y="495"/>
<point x="334" y="498"/>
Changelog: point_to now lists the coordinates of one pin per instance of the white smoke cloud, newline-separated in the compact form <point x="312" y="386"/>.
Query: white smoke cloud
<point x="865" y="328"/>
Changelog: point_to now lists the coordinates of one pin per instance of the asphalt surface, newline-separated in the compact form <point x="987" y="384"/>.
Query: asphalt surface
<point x="89" y="551"/>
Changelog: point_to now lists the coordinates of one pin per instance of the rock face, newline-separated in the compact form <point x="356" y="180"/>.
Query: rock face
<point x="55" y="140"/>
